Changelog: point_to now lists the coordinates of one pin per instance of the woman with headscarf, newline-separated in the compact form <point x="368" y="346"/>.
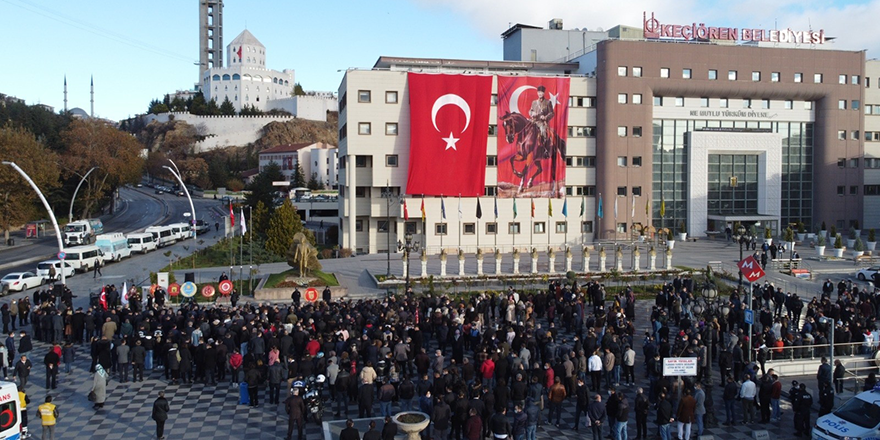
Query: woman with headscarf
<point x="99" y="386"/>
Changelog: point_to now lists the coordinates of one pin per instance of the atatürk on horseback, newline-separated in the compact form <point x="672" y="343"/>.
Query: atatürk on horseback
<point x="535" y="142"/>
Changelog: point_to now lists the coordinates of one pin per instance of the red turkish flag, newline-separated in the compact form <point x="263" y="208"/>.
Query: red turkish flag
<point x="239" y="54"/>
<point x="449" y="128"/>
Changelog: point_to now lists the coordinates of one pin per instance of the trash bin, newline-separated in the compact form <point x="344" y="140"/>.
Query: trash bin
<point x="10" y="242"/>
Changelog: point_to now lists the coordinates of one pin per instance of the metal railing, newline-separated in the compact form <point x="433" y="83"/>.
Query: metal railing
<point x="816" y="351"/>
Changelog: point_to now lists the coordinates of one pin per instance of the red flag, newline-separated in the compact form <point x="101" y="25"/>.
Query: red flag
<point x="449" y="125"/>
<point x="405" y="211"/>
<point x="103" y="298"/>
<point x="239" y="54"/>
<point x="532" y="120"/>
<point x="231" y="215"/>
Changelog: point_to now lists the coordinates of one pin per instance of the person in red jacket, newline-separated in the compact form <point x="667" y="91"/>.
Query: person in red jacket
<point x="313" y="347"/>
<point x="775" y="393"/>
<point x="549" y="374"/>
<point x="235" y="361"/>
<point x="487" y="371"/>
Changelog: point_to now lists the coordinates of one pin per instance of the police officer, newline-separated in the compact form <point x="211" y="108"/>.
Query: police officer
<point x="826" y="399"/>
<point x="805" y="402"/>
<point x="295" y="296"/>
<point x="795" y="395"/>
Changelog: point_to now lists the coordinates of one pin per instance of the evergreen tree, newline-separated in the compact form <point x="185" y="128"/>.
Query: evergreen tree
<point x="298" y="89"/>
<point x="157" y="107"/>
<point x="212" y="109"/>
<point x="199" y="106"/>
<point x="299" y="178"/>
<point x="226" y="108"/>
<point x="283" y="225"/>
<point x="260" y="218"/>
<point x="261" y="189"/>
<point x="314" y="183"/>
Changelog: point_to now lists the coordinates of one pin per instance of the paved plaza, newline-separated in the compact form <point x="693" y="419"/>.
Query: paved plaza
<point x="200" y="411"/>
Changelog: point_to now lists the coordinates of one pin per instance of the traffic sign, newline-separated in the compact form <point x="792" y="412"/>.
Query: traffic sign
<point x="311" y="294"/>
<point x="62" y="255"/>
<point x="225" y="287"/>
<point x="750" y="269"/>
<point x="208" y="291"/>
<point x="750" y="316"/>
<point x="188" y="289"/>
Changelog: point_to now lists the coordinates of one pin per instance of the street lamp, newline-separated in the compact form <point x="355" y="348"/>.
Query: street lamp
<point x="192" y="208"/>
<point x="388" y="195"/>
<point x="744" y="237"/>
<point x="407" y="246"/>
<point x="48" y="209"/>
<point x="830" y="323"/>
<point x="70" y="214"/>
<point x="708" y="308"/>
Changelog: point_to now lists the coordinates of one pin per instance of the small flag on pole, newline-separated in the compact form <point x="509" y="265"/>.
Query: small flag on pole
<point x="633" y="208"/>
<point x="514" y="207"/>
<point x="549" y="207"/>
<point x="442" y="208"/>
<point x="423" y="208"/>
<point x="405" y="211"/>
<point x="231" y="215"/>
<point x="125" y="293"/>
<point x="565" y="208"/>
<point x="479" y="209"/>
<point x="647" y="208"/>
<point x="460" y="215"/>
<point x="615" y="207"/>
<point x="243" y="223"/>
<point x="533" y="208"/>
<point x="496" y="208"/>
<point x="583" y="206"/>
<point x="662" y="208"/>
<point x="599" y="211"/>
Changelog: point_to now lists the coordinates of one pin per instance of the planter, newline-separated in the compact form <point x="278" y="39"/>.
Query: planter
<point x="670" y="244"/>
<point x="801" y="237"/>
<point x="409" y="425"/>
<point x="820" y="250"/>
<point x="823" y="233"/>
<point x="769" y="241"/>
<point x="871" y="245"/>
<point x="789" y="247"/>
<point x="683" y="236"/>
<point x="850" y="243"/>
<point x="838" y="253"/>
<point x="857" y="254"/>
<point x="858" y="232"/>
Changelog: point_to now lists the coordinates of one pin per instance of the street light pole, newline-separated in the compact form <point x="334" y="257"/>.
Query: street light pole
<point x="48" y="209"/>
<point x="185" y="191"/>
<point x="70" y="214"/>
<point x="388" y="195"/>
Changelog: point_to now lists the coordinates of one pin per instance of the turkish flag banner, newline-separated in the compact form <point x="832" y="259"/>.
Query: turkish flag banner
<point x="449" y="129"/>
<point x="532" y="135"/>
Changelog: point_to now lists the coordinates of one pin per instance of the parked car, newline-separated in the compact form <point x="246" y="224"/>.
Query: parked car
<point x="21" y="281"/>
<point x="866" y="273"/>
<point x="160" y="191"/>
<point x="180" y="193"/>
<point x="201" y="227"/>
<point x="43" y="269"/>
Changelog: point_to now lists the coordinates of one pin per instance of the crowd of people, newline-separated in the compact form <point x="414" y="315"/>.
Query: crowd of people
<point x="497" y="364"/>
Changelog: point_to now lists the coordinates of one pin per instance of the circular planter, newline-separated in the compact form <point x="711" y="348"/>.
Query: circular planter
<point x="682" y="236"/>
<point x="820" y="250"/>
<point x="769" y="241"/>
<point x="412" y="423"/>
<point x="801" y="237"/>
<point x="871" y="245"/>
<point x="857" y="254"/>
<point x="850" y="243"/>
<point x="670" y="244"/>
<point x="838" y="253"/>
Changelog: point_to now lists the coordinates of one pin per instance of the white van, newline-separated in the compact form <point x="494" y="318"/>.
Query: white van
<point x="84" y="258"/>
<point x="162" y="235"/>
<point x="181" y="230"/>
<point x="141" y="242"/>
<point x="858" y="418"/>
<point x="114" y="246"/>
<point x="43" y="269"/>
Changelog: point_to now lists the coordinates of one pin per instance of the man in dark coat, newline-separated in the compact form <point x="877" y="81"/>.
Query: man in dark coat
<point x="51" y="360"/>
<point x="350" y="432"/>
<point x="160" y="414"/>
<point x="296" y="413"/>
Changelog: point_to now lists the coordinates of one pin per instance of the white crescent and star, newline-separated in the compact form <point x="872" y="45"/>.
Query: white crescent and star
<point x="458" y="101"/>
<point x="514" y="98"/>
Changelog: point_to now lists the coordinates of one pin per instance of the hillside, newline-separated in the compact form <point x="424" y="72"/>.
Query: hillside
<point x="298" y="130"/>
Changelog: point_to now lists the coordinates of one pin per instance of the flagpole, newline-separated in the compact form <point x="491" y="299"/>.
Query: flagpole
<point x="496" y="221"/>
<point x="478" y="224"/>
<point x="241" y="255"/>
<point x="251" y="250"/>
<point x="459" y="221"/>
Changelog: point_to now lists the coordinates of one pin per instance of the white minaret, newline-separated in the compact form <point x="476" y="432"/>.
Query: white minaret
<point x="93" y="97"/>
<point x="65" y="93"/>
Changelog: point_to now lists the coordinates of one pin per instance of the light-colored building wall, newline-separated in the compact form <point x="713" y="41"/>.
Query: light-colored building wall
<point x="319" y="158"/>
<point x="871" y="161"/>
<point x="550" y="45"/>
<point x="313" y="107"/>
<point x="369" y="171"/>
<point x="222" y="131"/>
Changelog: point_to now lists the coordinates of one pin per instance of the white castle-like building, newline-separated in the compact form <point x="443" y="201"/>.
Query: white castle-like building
<point x="246" y="81"/>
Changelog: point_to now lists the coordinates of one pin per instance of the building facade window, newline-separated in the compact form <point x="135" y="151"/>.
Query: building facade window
<point x="686" y="73"/>
<point x="841" y="104"/>
<point x="841" y="135"/>
<point x="540" y="227"/>
<point x="723" y="102"/>
<point x="364" y="96"/>
<point x="872" y="190"/>
<point x="713" y="74"/>
<point x="756" y="76"/>
<point x="637" y="191"/>
<point x="817" y="78"/>
<point x="664" y="72"/>
<point x="621" y="161"/>
<point x="774" y="77"/>
<point x="841" y="79"/>
<point x="679" y="101"/>
<point x="561" y="227"/>
<point x="658" y="101"/>
<point x="490" y="191"/>
<point x="798" y="77"/>
<point x="637" y="72"/>
<point x="637" y="98"/>
<point x="391" y="160"/>
<point x="621" y="70"/>
<point x="391" y="97"/>
<point x="637" y="131"/>
<point x="587" y="227"/>
<point x="469" y="229"/>
<point x="513" y="228"/>
<point x="621" y="98"/>
<point x="491" y="160"/>
<point x="621" y="131"/>
<point x="360" y="161"/>
<point x="491" y="228"/>
<point x="704" y="102"/>
<point x="391" y="128"/>
<point x="440" y="229"/>
<point x="637" y="161"/>
<point x="364" y="128"/>
<point x="621" y="191"/>
<point x="731" y="75"/>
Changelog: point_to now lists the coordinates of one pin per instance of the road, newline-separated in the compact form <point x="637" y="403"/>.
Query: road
<point x="138" y="209"/>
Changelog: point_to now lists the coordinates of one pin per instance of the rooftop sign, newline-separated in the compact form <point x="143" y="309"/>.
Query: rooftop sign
<point x="654" y="30"/>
